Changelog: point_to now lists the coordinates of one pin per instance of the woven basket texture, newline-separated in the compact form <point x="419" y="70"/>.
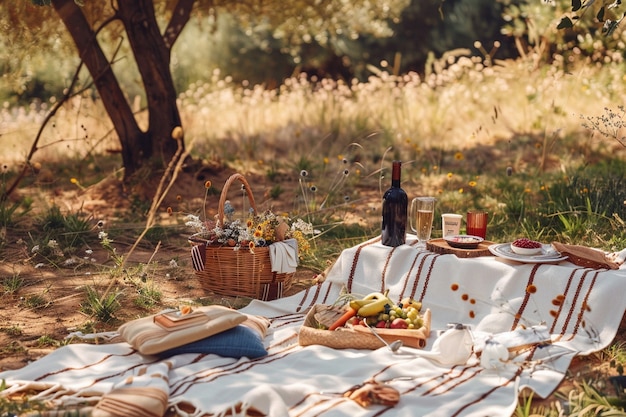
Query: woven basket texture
<point x="239" y="271"/>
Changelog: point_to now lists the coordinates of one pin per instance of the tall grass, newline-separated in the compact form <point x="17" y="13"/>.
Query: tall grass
<point x="512" y="137"/>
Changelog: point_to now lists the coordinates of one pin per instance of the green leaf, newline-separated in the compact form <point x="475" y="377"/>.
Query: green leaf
<point x="565" y="23"/>
<point x="600" y="15"/>
<point x="576" y="5"/>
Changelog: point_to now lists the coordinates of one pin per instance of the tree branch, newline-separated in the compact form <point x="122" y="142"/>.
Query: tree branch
<point x="180" y="17"/>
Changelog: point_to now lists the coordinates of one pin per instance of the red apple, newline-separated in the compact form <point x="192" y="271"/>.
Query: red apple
<point x="399" y="324"/>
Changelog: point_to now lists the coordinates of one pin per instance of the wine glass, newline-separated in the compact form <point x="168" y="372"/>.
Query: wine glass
<point x="421" y="218"/>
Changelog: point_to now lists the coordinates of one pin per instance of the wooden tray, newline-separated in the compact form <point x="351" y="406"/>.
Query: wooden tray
<point x="441" y="246"/>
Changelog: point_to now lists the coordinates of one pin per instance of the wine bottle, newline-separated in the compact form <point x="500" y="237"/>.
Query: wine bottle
<point x="395" y="203"/>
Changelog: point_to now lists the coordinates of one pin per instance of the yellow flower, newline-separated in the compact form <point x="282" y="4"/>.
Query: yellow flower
<point x="458" y="156"/>
<point x="472" y="183"/>
<point x="74" y="181"/>
<point x="207" y="184"/>
<point x="449" y="175"/>
<point x="461" y="190"/>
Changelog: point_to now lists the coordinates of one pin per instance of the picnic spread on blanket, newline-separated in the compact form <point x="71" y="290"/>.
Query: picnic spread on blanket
<point x="496" y="324"/>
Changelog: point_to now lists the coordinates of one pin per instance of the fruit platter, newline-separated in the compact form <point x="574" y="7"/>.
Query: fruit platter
<point x="361" y="323"/>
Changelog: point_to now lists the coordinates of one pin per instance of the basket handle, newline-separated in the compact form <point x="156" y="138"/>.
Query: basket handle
<point x="223" y="195"/>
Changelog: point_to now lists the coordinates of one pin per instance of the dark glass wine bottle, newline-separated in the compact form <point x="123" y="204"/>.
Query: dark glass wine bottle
<point x="395" y="204"/>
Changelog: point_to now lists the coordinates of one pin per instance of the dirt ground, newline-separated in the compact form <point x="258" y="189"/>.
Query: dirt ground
<point x="46" y="308"/>
<point x="31" y="330"/>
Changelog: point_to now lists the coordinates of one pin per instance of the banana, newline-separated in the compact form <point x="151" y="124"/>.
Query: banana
<point x="357" y="304"/>
<point x="374" y="296"/>
<point x="375" y="307"/>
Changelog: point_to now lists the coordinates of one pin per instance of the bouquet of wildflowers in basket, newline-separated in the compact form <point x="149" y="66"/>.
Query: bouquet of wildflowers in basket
<point x="257" y="230"/>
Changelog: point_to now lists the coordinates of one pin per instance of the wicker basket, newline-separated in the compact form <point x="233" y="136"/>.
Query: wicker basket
<point x="355" y="337"/>
<point x="237" y="271"/>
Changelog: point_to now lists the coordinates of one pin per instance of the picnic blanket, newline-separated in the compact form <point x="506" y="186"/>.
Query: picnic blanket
<point x="498" y="300"/>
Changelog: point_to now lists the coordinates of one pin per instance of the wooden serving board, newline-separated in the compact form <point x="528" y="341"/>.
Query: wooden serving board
<point x="441" y="246"/>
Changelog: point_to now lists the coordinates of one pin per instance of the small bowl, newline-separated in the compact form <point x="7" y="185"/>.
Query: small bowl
<point x="526" y="251"/>
<point x="464" y="241"/>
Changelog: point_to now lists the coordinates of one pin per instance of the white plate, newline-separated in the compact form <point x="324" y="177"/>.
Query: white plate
<point x="547" y="255"/>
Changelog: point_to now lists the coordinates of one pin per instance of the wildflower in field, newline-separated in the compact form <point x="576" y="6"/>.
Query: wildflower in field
<point x="304" y="173"/>
<point x="229" y="210"/>
<point x="104" y="238"/>
<point x="207" y="184"/>
<point x="39" y="265"/>
<point x="35" y="249"/>
<point x="459" y="156"/>
<point x="173" y="263"/>
<point x="449" y="175"/>
<point x="472" y="183"/>
<point x="5" y="168"/>
<point x="89" y="251"/>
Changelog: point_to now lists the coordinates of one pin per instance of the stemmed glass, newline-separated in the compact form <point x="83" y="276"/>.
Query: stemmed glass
<point x="421" y="218"/>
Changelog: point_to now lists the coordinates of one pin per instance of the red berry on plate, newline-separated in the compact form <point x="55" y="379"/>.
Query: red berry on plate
<point x="526" y="243"/>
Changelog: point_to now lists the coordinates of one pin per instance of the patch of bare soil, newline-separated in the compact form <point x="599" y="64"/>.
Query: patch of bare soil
<point x="41" y="304"/>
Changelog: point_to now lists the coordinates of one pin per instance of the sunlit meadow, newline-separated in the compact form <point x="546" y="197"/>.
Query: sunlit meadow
<point x="501" y="136"/>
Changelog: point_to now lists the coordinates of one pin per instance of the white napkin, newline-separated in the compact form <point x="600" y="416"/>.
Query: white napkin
<point x="618" y="257"/>
<point x="284" y="256"/>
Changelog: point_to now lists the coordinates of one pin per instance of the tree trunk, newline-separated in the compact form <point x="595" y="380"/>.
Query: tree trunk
<point x="106" y="83"/>
<point x="152" y="55"/>
<point x="154" y="147"/>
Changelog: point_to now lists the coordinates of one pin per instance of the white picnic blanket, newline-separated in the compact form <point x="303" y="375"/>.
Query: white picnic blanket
<point x="500" y="299"/>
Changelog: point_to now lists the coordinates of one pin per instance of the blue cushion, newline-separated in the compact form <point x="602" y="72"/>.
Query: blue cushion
<point x="233" y="343"/>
